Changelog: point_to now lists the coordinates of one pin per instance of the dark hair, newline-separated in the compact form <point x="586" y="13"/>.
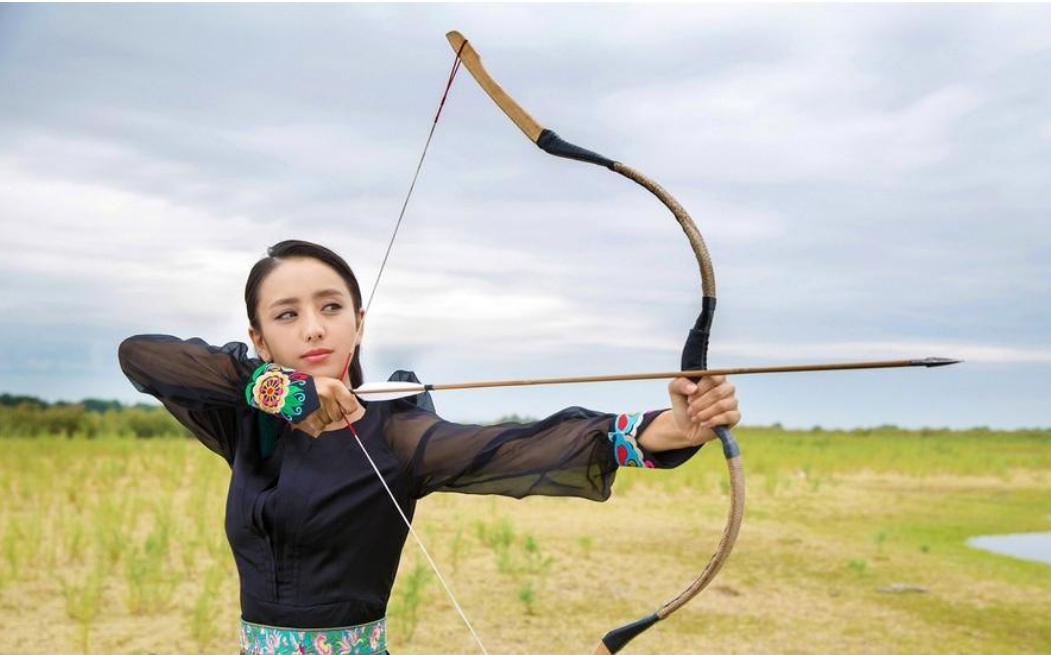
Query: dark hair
<point x="294" y="248"/>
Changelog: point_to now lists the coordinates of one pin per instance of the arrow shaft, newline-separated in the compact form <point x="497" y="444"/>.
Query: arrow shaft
<point x="667" y="375"/>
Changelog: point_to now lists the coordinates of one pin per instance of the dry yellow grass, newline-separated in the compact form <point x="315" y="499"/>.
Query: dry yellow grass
<point x="804" y="578"/>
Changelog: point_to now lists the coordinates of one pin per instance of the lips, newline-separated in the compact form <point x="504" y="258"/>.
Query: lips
<point x="317" y="355"/>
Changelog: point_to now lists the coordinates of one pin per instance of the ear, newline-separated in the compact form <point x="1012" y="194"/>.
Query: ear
<point x="260" y="344"/>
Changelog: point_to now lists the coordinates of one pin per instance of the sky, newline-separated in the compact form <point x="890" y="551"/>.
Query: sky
<point x="872" y="182"/>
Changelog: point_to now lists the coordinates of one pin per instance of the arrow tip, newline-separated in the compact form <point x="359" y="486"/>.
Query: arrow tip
<point x="932" y="362"/>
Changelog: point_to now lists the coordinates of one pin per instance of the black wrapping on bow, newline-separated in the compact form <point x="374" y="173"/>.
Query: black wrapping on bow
<point x="695" y="358"/>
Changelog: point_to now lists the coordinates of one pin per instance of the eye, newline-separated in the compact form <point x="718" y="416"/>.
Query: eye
<point x="331" y="304"/>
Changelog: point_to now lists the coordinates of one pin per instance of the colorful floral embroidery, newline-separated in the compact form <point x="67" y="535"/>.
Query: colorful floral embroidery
<point x="625" y="448"/>
<point x="365" y="639"/>
<point x="281" y="391"/>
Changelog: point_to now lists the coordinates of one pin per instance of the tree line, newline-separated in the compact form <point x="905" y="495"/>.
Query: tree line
<point x="29" y="416"/>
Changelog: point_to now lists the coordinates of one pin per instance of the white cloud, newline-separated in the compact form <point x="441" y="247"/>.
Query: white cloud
<point x="855" y="171"/>
<point x="1045" y="130"/>
<point x="798" y="122"/>
<point x="108" y="252"/>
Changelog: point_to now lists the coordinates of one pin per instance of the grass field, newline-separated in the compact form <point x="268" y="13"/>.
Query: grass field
<point x="117" y="546"/>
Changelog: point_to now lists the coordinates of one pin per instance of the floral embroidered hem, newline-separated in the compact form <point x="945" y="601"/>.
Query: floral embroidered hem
<point x="284" y="392"/>
<point x="625" y="447"/>
<point x="364" y="639"/>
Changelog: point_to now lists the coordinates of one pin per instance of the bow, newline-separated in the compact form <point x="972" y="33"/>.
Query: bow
<point x="695" y="351"/>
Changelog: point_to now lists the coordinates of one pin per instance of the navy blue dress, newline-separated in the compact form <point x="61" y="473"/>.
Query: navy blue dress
<point x="314" y="534"/>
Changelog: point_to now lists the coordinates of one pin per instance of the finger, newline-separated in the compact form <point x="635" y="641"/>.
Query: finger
<point x="724" y="390"/>
<point x="682" y="386"/>
<point x="716" y="380"/>
<point x="346" y="399"/>
<point x="726" y="419"/>
<point x="340" y="409"/>
<point x="715" y="390"/>
<point x="715" y="409"/>
<point x="701" y="387"/>
<point x="310" y="426"/>
<point x="700" y="435"/>
<point x="704" y="384"/>
<point x="325" y="413"/>
<point x="350" y="406"/>
<point x="324" y="416"/>
<point x="353" y="413"/>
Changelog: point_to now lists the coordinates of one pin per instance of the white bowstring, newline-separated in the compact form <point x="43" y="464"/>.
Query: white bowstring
<point x="416" y="175"/>
<point x="368" y="305"/>
<point x="401" y="215"/>
<point x="415" y="536"/>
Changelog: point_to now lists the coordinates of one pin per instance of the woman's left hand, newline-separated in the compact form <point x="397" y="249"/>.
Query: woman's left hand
<point x="699" y="407"/>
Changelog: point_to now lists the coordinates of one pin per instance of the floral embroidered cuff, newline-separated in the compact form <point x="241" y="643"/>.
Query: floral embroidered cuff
<point x="626" y="449"/>
<point x="284" y="392"/>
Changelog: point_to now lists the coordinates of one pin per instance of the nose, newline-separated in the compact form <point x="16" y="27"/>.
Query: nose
<point x="313" y="327"/>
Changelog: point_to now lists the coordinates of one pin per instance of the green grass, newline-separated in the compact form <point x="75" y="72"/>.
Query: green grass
<point x="102" y="538"/>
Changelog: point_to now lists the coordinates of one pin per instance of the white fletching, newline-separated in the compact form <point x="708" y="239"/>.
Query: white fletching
<point x="389" y="390"/>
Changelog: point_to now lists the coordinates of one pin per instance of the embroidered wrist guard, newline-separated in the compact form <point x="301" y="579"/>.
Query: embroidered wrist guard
<point x="626" y="449"/>
<point x="284" y="392"/>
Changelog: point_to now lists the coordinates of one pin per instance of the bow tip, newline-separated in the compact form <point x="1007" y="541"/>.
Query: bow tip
<point x="455" y="39"/>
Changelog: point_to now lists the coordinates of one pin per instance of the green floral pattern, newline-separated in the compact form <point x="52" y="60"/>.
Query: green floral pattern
<point x="364" y="639"/>
<point x="284" y="392"/>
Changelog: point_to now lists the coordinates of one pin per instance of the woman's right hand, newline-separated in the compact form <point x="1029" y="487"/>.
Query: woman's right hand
<point x="338" y="405"/>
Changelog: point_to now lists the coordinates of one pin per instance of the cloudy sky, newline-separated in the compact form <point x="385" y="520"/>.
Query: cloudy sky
<point x="873" y="182"/>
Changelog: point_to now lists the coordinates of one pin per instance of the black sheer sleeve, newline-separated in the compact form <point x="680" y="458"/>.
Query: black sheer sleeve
<point x="204" y="386"/>
<point x="574" y="452"/>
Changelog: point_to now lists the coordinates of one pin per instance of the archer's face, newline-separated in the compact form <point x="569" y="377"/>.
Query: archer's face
<point x="304" y="305"/>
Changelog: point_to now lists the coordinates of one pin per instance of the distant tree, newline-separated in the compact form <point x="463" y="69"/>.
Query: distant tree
<point x="149" y="422"/>
<point x="512" y="418"/>
<point x="8" y="400"/>
<point x="97" y="405"/>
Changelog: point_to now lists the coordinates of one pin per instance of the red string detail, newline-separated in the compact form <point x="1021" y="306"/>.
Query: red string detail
<point x="346" y="366"/>
<point x="449" y="85"/>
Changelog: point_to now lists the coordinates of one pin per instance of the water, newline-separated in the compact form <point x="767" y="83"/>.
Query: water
<point x="1034" y="546"/>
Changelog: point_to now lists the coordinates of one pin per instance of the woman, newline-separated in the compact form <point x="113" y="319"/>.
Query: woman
<point x="302" y="494"/>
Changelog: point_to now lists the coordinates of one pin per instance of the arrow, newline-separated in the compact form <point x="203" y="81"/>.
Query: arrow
<point x="392" y="390"/>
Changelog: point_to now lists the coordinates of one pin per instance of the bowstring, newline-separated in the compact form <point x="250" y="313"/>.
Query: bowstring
<point x="368" y="305"/>
<point x="416" y="175"/>
<point x="419" y="541"/>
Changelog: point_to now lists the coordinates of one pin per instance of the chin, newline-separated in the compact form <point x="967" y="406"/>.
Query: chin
<point x="327" y="369"/>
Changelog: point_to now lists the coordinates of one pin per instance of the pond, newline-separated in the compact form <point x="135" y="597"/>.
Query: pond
<point x="1034" y="546"/>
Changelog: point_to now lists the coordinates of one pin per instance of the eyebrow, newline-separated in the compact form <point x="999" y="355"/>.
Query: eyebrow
<point x="295" y="301"/>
